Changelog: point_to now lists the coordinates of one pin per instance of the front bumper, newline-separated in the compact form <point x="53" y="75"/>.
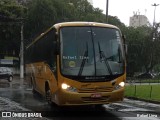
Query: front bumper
<point x="65" y="98"/>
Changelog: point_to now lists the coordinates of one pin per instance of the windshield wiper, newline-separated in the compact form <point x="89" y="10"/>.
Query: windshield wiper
<point x="84" y="60"/>
<point x="102" y="56"/>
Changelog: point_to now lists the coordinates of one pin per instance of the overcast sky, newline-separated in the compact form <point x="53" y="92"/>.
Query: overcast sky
<point x="124" y="9"/>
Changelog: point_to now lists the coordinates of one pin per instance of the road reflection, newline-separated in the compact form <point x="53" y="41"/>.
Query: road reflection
<point x="70" y="112"/>
<point x="22" y="94"/>
<point x="80" y="112"/>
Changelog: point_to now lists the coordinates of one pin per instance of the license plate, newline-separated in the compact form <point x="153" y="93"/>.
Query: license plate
<point x="96" y="95"/>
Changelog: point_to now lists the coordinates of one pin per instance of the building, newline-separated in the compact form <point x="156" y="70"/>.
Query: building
<point x="138" y="20"/>
<point x="90" y="1"/>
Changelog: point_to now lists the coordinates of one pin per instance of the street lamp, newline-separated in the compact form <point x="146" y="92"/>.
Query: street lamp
<point x="107" y="2"/>
<point x="153" y="39"/>
<point x="155" y="5"/>
<point x="22" y="53"/>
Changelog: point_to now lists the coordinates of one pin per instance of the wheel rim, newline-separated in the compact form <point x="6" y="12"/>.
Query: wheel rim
<point x="10" y="78"/>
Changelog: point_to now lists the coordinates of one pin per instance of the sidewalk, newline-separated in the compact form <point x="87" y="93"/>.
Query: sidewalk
<point x="14" y="109"/>
<point x="10" y="108"/>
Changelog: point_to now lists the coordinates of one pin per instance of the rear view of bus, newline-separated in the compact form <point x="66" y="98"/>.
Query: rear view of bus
<point x="86" y="64"/>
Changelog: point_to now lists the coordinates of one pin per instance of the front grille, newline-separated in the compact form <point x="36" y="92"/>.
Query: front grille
<point x="101" y="99"/>
<point x="97" y="89"/>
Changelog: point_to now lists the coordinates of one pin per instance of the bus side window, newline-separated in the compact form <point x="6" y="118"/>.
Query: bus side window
<point x="51" y="58"/>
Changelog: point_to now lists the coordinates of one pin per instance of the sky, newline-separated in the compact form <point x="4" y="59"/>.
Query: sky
<point x="124" y="9"/>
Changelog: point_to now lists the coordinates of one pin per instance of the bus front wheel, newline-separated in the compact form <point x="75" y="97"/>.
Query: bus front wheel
<point x="48" y="95"/>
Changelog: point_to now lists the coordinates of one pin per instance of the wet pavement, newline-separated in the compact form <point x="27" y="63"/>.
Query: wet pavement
<point x="17" y="96"/>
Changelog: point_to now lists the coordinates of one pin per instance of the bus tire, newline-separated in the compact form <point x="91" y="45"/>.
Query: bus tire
<point x="32" y="86"/>
<point x="10" y="78"/>
<point x="48" y="94"/>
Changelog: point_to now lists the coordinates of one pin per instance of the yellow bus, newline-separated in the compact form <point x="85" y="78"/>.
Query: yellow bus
<point x="78" y="63"/>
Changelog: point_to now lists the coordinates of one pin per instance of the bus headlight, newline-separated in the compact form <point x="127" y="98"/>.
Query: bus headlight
<point x="65" y="86"/>
<point x="68" y="88"/>
<point x="120" y="85"/>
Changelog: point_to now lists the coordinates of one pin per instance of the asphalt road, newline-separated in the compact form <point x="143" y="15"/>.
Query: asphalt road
<point x="18" y="97"/>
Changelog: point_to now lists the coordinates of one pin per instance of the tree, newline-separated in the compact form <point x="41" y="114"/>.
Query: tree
<point x="44" y="13"/>
<point x="143" y="52"/>
<point x="155" y="50"/>
<point x="115" y="21"/>
<point x="39" y="15"/>
<point x="10" y="14"/>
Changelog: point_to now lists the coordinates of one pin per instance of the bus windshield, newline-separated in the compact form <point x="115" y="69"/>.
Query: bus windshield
<point x="91" y="51"/>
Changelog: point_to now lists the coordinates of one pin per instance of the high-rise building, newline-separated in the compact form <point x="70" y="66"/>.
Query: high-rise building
<point x="90" y="1"/>
<point x="138" y="20"/>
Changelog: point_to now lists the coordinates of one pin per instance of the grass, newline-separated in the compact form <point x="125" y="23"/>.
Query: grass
<point x="148" y="92"/>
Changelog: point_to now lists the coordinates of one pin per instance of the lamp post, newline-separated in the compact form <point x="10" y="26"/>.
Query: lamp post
<point x="155" y="5"/>
<point x="107" y="2"/>
<point x="153" y="40"/>
<point x="22" y="54"/>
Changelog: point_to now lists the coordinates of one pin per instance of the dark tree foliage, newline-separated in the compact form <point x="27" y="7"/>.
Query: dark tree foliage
<point x="143" y="52"/>
<point x="10" y="14"/>
<point x="44" y="13"/>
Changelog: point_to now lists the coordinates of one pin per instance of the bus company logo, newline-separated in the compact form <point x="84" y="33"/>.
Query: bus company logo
<point x="6" y="114"/>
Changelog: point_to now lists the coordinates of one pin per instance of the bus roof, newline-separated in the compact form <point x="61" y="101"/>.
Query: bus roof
<point x="65" y="24"/>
